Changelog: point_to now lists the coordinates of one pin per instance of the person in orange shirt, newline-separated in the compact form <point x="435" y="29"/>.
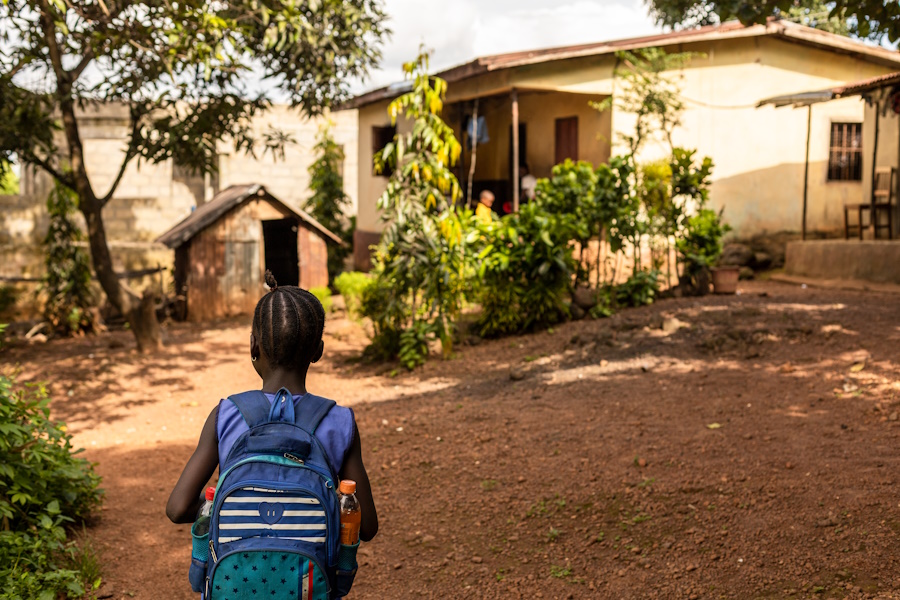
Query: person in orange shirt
<point x="483" y="211"/>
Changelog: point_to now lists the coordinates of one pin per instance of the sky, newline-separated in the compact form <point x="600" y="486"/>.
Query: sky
<point x="458" y="31"/>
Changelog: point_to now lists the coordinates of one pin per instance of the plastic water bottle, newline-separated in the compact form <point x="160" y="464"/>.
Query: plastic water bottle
<point x="201" y="523"/>
<point x="351" y="516"/>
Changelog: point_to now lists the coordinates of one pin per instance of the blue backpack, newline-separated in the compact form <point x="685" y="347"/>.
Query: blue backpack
<point x="275" y="525"/>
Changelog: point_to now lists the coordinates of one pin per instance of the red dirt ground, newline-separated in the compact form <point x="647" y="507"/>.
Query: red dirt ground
<point x="724" y="447"/>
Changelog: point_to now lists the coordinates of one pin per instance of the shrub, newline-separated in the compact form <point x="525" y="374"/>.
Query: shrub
<point x="700" y="244"/>
<point x="526" y="269"/>
<point x="45" y="488"/>
<point x="67" y="284"/>
<point x="324" y="296"/>
<point x="641" y="289"/>
<point x="351" y="286"/>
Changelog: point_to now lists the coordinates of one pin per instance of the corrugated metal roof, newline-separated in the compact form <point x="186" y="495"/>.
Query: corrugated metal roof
<point x="229" y="198"/>
<point x="860" y="87"/>
<point x="785" y="30"/>
<point x="855" y="88"/>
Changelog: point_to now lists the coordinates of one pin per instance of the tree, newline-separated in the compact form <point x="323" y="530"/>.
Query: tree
<point x="182" y="70"/>
<point x="421" y="269"/>
<point x="649" y="92"/>
<point x="327" y="203"/>
<point x="873" y="19"/>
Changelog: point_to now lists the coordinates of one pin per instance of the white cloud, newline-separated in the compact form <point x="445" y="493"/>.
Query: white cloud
<point x="465" y="29"/>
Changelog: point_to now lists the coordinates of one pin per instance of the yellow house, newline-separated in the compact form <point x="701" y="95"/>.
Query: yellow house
<point x="759" y="153"/>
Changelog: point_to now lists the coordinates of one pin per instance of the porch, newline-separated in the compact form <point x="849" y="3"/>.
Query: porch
<point x="503" y="134"/>
<point x="851" y="260"/>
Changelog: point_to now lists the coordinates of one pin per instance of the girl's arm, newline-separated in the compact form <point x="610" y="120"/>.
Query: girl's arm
<point x="188" y="495"/>
<point x="354" y="469"/>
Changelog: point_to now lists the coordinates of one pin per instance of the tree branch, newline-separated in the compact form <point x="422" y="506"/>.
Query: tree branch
<point x="64" y="178"/>
<point x="50" y="37"/>
<point x="85" y="61"/>
<point x="130" y="153"/>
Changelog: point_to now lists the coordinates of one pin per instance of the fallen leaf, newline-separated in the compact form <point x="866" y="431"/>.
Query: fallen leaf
<point x="858" y="367"/>
<point x="713" y="426"/>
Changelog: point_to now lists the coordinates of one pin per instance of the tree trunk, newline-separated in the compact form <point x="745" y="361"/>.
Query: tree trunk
<point x="139" y="313"/>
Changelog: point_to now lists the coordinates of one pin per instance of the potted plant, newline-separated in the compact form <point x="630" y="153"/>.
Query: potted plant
<point x="699" y="248"/>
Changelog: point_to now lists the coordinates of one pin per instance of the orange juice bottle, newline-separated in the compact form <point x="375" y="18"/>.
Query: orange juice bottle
<point x="351" y="517"/>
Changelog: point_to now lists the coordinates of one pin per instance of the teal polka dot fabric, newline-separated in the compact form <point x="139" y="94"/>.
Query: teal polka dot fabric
<point x="260" y="574"/>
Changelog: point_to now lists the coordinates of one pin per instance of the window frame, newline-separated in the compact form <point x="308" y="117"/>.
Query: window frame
<point x="845" y="160"/>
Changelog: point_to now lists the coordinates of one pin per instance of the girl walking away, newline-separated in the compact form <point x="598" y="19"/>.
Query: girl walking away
<point x="271" y="528"/>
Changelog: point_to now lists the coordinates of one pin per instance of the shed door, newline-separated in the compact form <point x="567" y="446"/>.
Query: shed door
<point x="280" y="238"/>
<point x="566" y="139"/>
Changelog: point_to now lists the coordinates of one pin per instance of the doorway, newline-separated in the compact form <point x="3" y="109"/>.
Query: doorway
<point x="280" y="243"/>
<point x="566" y="139"/>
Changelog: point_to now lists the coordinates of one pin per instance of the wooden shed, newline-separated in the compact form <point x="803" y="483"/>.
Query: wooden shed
<point x="224" y="247"/>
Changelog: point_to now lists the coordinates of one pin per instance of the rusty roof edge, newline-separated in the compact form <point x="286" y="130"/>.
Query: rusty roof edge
<point x="196" y="222"/>
<point x="785" y="30"/>
<point x="834" y="42"/>
<point x="636" y="43"/>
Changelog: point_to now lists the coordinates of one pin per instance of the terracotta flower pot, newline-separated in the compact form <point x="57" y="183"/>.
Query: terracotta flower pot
<point x="725" y="279"/>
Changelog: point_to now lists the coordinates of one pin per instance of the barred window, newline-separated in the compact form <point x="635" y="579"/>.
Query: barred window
<point x="845" y="152"/>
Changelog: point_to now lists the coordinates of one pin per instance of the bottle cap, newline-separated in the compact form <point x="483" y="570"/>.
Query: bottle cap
<point x="210" y="493"/>
<point x="348" y="486"/>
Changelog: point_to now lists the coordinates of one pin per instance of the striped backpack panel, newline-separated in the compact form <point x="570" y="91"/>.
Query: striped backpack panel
<point x="250" y="512"/>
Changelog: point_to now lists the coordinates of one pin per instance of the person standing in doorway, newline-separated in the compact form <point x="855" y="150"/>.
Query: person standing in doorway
<point x="527" y="183"/>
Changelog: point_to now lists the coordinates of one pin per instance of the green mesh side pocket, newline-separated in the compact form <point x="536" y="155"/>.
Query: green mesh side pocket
<point x="200" y="545"/>
<point x="346" y="569"/>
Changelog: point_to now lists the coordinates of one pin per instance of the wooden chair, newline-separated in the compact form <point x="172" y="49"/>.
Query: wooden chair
<point x="884" y="186"/>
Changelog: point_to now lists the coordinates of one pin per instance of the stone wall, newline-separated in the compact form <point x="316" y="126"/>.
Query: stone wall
<point x="151" y="198"/>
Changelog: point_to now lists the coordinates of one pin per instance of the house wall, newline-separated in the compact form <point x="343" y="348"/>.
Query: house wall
<point x="758" y="153"/>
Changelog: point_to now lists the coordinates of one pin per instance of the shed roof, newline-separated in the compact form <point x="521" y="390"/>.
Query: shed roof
<point x="226" y="200"/>
<point x="776" y="28"/>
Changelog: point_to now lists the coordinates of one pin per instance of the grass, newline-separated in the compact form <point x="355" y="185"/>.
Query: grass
<point x="86" y="561"/>
<point x="560" y="572"/>
<point x="488" y="484"/>
<point x="640" y="518"/>
<point x="553" y="534"/>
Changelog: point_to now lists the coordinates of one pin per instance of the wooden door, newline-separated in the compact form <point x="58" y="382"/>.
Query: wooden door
<point x="566" y="139"/>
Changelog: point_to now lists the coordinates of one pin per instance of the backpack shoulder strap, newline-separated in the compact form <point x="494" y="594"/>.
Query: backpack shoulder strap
<point x="254" y="407"/>
<point x="311" y="410"/>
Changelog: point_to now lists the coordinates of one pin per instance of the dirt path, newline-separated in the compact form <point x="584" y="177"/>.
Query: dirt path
<point x="741" y="447"/>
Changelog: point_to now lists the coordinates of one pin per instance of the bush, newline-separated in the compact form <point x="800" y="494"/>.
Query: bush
<point x="351" y="286"/>
<point x="700" y="244"/>
<point x="324" y="296"/>
<point x="46" y="487"/>
<point x="70" y="301"/>
<point x="526" y="270"/>
<point x="641" y="289"/>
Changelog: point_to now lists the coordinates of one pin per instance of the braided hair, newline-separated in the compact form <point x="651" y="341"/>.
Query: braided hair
<point x="289" y="322"/>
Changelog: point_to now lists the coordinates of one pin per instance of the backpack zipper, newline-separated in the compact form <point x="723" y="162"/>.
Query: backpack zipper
<point x="297" y="460"/>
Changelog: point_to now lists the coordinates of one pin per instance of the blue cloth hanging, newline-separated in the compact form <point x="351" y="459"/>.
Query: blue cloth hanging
<point x="476" y="130"/>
